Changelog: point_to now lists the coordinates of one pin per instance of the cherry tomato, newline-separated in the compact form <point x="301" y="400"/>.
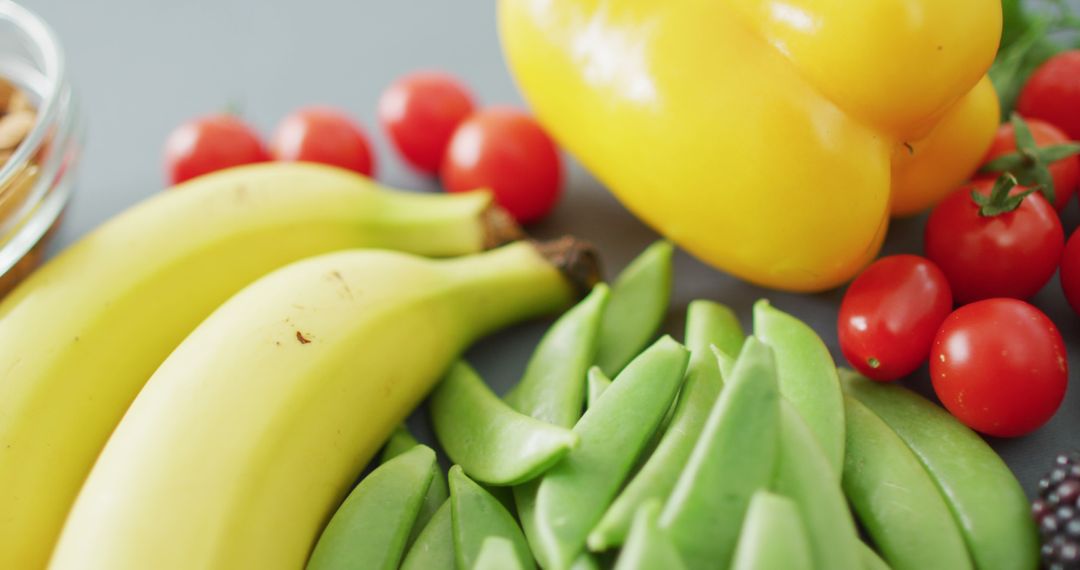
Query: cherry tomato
<point x="325" y="135"/>
<point x="507" y="152"/>
<point x="999" y="366"/>
<point x="890" y="314"/>
<point x="1052" y="93"/>
<point x="1065" y="172"/>
<point x="1070" y="272"/>
<point x="420" y="112"/>
<point x="211" y="143"/>
<point x="1012" y="254"/>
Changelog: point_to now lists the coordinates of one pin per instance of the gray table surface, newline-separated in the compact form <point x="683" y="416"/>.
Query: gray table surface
<point x="143" y="66"/>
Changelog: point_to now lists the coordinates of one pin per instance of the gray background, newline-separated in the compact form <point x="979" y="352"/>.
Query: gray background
<point x="142" y="67"/>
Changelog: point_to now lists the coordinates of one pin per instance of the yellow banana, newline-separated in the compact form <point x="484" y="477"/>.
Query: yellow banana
<point x="82" y="335"/>
<point x="244" y="442"/>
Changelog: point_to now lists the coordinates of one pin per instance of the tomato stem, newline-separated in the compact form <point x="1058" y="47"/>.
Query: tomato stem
<point x="1001" y="199"/>
<point x="1030" y="164"/>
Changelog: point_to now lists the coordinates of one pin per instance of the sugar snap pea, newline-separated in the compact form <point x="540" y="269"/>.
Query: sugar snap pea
<point x="870" y="558"/>
<point x="773" y="536"/>
<point x="598" y="382"/>
<point x="803" y="474"/>
<point x="648" y="546"/>
<point x="711" y="323"/>
<point x="400" y="441"/>
<point x="476" y="515"/>
<point x="491" y="441"/>
<point x="371" y="527"/>
<point x="808" y="377"/>
<point x="894" y="497"/>
<point x="571" y="497"/>
<point x="725" y="361"/>
<point x="497" y="553"/>
<point x="638" y="305"/>
<point x="585" y="561"/>
<point x="984" y="496"/>
<point x="732" y="459"/>
<point x="434" y="546"/>
<point x="553" y="386"/>
<point x="707" y="323"/>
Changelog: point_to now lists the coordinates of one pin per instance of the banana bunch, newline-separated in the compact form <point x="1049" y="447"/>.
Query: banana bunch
<point x="80" y="338"/>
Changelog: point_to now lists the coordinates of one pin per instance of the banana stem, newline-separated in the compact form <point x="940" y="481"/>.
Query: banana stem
<point x="531" y="278"/>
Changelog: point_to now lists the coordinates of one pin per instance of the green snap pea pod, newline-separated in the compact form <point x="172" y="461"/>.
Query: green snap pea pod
<point x="400" y="441"/>
<point x="984" y="496"/>
<point x="434" y="546"/>
<point x="475" y="516"/>
<point x="437" y="494"/>
<point x="894" y="497"/>
<point x="711" y="323"/>
<point x="773" y="536"/>
<point x="505" y="496"/>
<point x="491" y="441"/>
<point x="808" y="377"/>
<point x="571" y="497"/>
<point x="648" y="546"/>
<point x="639" y="303"/>
<point x="585" y="561"/>
<point x="707" y="323"/>
<point x="598" y="382"/>
<point x="803" y="475"/>
<point x="733" y="458"/>
<point x="553" y="386"/>
<point x="871" y="560"/>
<point x="497" y="553"/>
<point x="724" y="360"/>
<point x="371" y="527"/>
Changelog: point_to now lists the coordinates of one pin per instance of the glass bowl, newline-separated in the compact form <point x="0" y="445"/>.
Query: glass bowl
<point x="36" y="181"/>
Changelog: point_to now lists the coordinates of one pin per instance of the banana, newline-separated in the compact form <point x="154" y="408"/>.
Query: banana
<point x="248" y="436"/>
<point x="80" y="337"/>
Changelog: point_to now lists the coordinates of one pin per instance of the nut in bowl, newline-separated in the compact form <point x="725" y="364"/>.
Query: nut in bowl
<point x="40" y="140"/>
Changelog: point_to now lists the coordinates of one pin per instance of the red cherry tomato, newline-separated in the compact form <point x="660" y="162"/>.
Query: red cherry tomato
<point x="1052" y="93"/>
<point x="420" y="112"/>
<point x="1065" y="172"/>
<point x="1070" y="272"/>
<point x="325" y="135"/>
<point x="999" y="366"/>
<point x="890" y="314"/>
<point x="211" y="143"/>
<point x="507" y="152"/>
<point x="1009" y="255"/>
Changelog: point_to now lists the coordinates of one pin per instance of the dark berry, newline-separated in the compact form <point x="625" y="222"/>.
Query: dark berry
<point x="1072" y="528"/>
<point x="1069" y="490"/>
<point x="1048" y="525"/>
<point x="1069" y="552"/>
<point x="1057" y="513"/>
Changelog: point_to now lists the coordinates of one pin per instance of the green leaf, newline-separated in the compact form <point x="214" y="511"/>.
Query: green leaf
<point x="1000" y="201"/>
<point x="1005" y="163"/>
<point x="1042" y="181"/>
<point x="1054" y="153"/>
<point x="1017" y="61"/>
<point x="1015" y="22"/>
<point x="1025" y="141"/>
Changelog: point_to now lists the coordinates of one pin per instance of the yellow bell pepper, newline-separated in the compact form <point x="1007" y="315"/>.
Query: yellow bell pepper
<point x="770" y="138"/>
